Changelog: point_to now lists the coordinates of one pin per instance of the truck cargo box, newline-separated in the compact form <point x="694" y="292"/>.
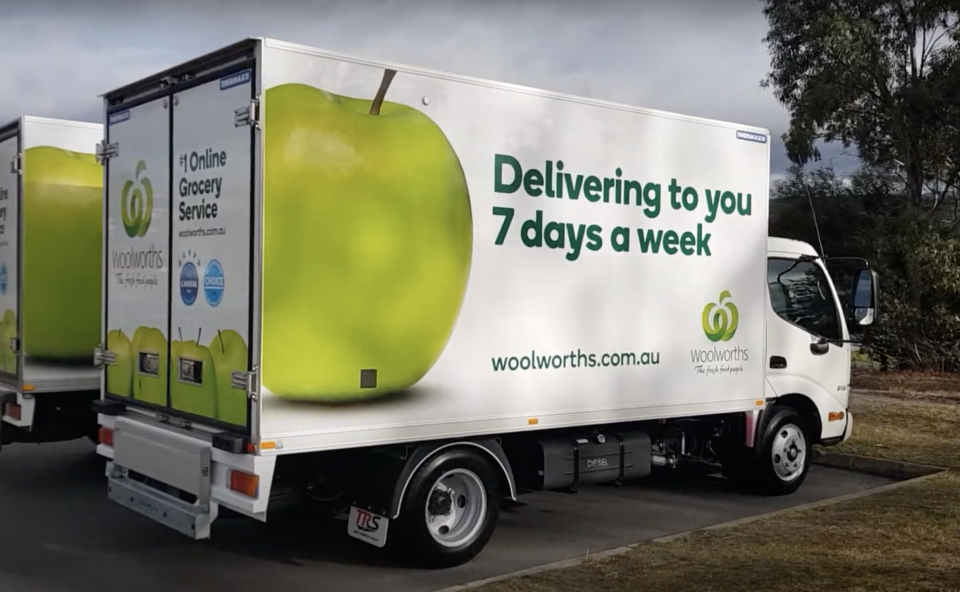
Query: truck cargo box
<point x="354" y="253"/>
<point x="51" y="229"/>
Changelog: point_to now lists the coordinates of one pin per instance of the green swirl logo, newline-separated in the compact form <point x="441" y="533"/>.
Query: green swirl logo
<point x="720" y="318"/>
<point x="136" y="203"/>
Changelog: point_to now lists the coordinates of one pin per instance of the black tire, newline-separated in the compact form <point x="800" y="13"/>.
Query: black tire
<point x="785" y="425"/>
<point x="413" y="538"/>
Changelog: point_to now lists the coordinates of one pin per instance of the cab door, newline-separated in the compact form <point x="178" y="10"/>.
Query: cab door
<point x="805" y="311"/>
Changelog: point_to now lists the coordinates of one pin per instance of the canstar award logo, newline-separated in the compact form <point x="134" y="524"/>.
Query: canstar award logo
<point x="136" y="203"/>
<point x="719" y="321"/>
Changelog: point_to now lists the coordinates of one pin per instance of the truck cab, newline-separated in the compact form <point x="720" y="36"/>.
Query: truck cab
<point x="812" y="304"/>
<point x="808" y="339"/>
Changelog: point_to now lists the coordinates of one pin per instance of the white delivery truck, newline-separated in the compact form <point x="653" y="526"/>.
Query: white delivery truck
<point x="51" y="243"/>
<point x="410" y="294"/>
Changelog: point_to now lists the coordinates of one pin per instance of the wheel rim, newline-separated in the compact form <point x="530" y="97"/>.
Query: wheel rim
<point x="789" y="452"/>
<point x="456" y="507"/>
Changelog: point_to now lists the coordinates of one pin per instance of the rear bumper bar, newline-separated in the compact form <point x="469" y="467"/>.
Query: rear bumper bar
<point x="153" y="465"/>
<point x="166" y="458"/>
<point x="192" y="520"/>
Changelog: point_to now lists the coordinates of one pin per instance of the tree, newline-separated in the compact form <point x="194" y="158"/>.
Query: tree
<point x="882" y="76"/>
<point x="852" y="213"/>
<point x="919" y="265"/>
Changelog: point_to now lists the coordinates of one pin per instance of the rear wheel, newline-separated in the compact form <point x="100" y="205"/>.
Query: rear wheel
<point x="450" y="510"/>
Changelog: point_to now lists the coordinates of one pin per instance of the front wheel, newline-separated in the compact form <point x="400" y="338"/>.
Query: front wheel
<point x="784" y="453"/>
<point x="450" y="511"/>
<point x="780" y="462"/>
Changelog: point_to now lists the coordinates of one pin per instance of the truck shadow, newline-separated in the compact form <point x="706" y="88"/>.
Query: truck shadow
<point x="300" y="536"/>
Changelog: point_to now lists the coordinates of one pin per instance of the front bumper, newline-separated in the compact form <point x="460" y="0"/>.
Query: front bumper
<point x="848" y="429"/>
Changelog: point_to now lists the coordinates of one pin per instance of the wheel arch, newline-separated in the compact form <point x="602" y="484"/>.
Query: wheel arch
<point x="803" y="405"/>
<point x="423" y="453"/>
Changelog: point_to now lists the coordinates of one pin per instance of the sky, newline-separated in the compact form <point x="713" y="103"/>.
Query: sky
<point x="693" y="57"/>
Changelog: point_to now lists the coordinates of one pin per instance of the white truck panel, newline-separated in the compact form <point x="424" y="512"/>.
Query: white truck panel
<point x="49" y="286"/>
<point x="9" y="258"/>
<point x="138" y="251"/>
<point x="457" y="359"/>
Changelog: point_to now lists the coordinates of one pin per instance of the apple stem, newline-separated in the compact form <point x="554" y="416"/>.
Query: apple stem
<point x="382" y="91"/>
<point x="199" y="331"/>
<point x="222" y="349"/>
<point x="180" y="332"/>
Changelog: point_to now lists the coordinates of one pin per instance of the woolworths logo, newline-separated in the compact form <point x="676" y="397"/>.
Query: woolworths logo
<point x="720" y="318"/>
<point x="136" y="203"/>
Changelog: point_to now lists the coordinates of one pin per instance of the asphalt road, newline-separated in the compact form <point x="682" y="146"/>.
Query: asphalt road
<point x="59" y="533"/>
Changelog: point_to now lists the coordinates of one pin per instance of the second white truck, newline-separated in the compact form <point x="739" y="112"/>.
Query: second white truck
<point x="51" y="233"/>
<point x="407" y="294"/>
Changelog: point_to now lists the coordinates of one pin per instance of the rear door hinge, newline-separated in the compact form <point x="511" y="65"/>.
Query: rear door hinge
<point x="249" y="115"/>
<point x="16" y="165"/>
<point x="107" y="151"/>
<point x="103" y="357"/>
<point x="248" y="382"/>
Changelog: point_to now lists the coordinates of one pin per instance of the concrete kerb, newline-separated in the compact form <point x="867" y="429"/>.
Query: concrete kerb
<point x="905" y="472"/>
<point x="893" y="469"/>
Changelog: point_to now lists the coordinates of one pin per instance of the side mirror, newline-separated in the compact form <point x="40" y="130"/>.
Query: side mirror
<point x="864" y="297"/>
<point x="819" y="346"/>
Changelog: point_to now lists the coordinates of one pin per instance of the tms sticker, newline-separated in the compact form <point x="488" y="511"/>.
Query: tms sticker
<point x="3" y="278"/>
<point x="119" y="117"/>
<point x="367" y="522"/>
<point x="237" y="79"/>
<point x="367" y="527"/>
<point x="751" y="137"/>
<point x="213" y="283"/>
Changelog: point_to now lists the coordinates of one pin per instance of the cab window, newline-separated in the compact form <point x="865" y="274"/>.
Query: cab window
<point x="801" y="294"/>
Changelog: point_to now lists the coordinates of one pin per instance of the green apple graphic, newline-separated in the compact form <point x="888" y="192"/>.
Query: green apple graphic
<point x="368" y="238"/>
<point x="229" y="355"/>
<point x="120" y="373"/>
<point x="8" y="332"/>
<point x="62" y="233"/>
<point x="146" y="387"/>
<point x="138" y="337"/>
<point x="198" y="399"/>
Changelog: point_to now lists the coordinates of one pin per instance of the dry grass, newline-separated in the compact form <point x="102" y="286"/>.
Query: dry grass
<point x="911" y="428"/>
<point x="906" y="539"/>
<point x="925" y="386"/>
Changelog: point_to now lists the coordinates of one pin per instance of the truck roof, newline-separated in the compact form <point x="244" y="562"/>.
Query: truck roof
<point x="788" y="245"/>
<point x="245" y="48"/>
